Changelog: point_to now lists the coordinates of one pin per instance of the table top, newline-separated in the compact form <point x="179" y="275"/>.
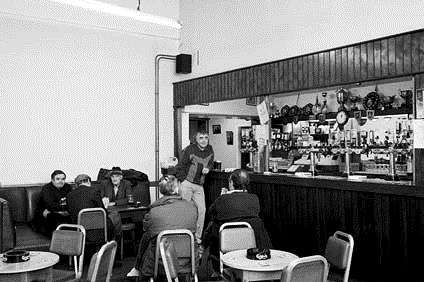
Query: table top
<point x="37" y="261"/>
<point x="279" y="260"/>
<point x="127" y="208"/>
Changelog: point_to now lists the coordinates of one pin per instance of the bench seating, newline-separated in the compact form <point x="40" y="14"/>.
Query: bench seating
<point x="17" y="209"/>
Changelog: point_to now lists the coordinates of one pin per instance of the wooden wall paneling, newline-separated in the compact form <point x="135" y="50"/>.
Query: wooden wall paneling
<point x="399" y="55"/>
<point x="244" y="81"/>
<point x="377" y="59"/>
<point x="194" y="89"/>
<point x="305" y="73"/>
<point x="415" y="52"/>
<point x="339" y="66"/>
<point x="268" y="78"/>
<point x="357" y="62"/>
<point x="350" y="65"/>
<point x="262" y="88"/>
<point x="281" y="76"/>
<point x="310" y="71"/>
<point x="321" y="69"/>
<point x="332" y="67"/>
<point x="251" y="80"/>
<point x="177" y="95"/>
<point x="215" y="85"/>
<point x="285" y="75"/>
<point x="407" y="47"/>
<point x="231" y="84"/>
<point x="210" y="88"/>
<point x="274" y="77"/>
<point x="384" y="57"/>
<point x="364" y="62"/>
<point x="300" y="73"/>
<point x="295" y="73"/>
<point x="290" y="74"/>
<point x="370" y="60"/>
<point x="326" y="58"/>
<point x="421" y="51"/>
<point x="222" y="86"/>
<point x="205" y="87"/>
<point x="316" y="70"/>
<point x="392" y="56"/>
<point x="237" y="83"/>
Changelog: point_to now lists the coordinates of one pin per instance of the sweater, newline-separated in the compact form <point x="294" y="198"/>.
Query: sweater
<point x="192" y="162"/>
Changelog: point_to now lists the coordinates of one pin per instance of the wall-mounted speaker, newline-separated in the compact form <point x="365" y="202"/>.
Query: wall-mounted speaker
<point x="183" y="64"/>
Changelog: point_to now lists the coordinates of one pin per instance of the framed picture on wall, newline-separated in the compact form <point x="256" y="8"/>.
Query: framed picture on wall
<point x="216" y="129"/>
<point x="230" y="138"/>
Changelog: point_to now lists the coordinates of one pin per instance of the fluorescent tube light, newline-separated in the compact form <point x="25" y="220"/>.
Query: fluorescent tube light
<point x="120" y="12"/>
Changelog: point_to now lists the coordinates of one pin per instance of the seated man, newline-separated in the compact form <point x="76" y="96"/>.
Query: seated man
<point x="167" y="213"/>
<point x="84" y="196"/>
<point x="235" y="204"/>
<point x="51" y="209"/>
<point x="116" y="189"/>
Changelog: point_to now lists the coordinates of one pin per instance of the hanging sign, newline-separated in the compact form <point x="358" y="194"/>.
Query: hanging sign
<point x="263" y="112"/>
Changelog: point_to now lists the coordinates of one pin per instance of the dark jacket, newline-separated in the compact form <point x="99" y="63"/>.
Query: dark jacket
<point x="50" y="198"/>
<point x="237" y="206"/>
<point x="167" y="213"/>
<point x="192" y="162"/>
<point x="81" y="198"/>
<point x="124" y="190"/>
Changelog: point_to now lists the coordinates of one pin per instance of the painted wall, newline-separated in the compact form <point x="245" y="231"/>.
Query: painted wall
<point x="234" y="107"/>
<point x="229" y="155"/>
<point x="79" y="98"/>
<point x="230" y="34"/>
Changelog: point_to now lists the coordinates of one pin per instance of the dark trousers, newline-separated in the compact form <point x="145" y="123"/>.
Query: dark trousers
<point x="48" y="224"/>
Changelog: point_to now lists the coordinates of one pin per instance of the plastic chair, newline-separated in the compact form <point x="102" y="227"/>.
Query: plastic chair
<point x="184" y="249"/>
<point x="235" y="236"/>
<point x="94" y="222"/>
<point x="69" y="239"/>
<point x="169" y="259"/>
<point x="338" y="252"/>
<point x="101" y="263"/>
<point x="306" y="269"/>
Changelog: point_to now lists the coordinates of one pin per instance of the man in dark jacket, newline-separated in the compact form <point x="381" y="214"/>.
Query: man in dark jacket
<point x="195" y="163"/>
<point x="167" y="213"/>
<point x="51" y="209"/>
<point x="235" y="204"/>
<point x="84" y="196"/>
<point x="116" y="189"/>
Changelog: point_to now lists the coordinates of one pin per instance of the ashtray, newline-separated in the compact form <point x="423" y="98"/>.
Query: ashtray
<point x="258" y="254"/>
<point x="15" y="256"/>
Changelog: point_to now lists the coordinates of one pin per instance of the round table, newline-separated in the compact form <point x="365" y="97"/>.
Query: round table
<point x="258" y="270"/>
<point x="38" y="267"/>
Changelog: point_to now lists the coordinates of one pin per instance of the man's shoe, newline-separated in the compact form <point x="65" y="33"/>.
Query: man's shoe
<point x="133" y="273"/>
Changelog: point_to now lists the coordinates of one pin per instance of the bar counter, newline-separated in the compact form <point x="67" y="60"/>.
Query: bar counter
<point x="385" y="218"/>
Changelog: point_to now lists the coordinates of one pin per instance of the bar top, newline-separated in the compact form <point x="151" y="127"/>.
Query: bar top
<point x="380" y="186"/>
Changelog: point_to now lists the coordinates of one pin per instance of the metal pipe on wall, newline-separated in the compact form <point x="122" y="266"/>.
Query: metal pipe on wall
<point x="158" y="58"/>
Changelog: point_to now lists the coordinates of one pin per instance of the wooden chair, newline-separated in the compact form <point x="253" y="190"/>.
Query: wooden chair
<point x="306" y="269"/>
<point x="94" y="222"/>
<point x="69" y="239"/>
<point x="183" y="241"/>
<point x="169" y="259"/>
<point x="338" y="252"/>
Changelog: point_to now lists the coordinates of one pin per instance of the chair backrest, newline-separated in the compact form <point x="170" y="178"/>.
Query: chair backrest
<point x="306" y="269"/>
<point x="169" y="259"/>
<point x="235" y="236"/>
<point x="183" y="241"/>
<point x="101" y="263"/>
<point x="338" y="252"/>
<point x="69" y="239"/>
<point x="94" y="221"/>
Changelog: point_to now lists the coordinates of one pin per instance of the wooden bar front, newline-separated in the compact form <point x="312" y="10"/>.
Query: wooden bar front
<point x="385" y="219"/>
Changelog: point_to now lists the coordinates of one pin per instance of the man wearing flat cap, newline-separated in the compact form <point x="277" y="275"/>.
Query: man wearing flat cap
<point x="116" y="189"/>
<point x="84" y="196"/>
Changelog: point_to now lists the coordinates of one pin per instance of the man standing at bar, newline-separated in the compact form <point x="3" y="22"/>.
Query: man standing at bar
<point x="195" y="163"/>
<point x="51" y="209"/>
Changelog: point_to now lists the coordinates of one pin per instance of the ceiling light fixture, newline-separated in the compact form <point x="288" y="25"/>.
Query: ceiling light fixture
<point x="121" y="12"/>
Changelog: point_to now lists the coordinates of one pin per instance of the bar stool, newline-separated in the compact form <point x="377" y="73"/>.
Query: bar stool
<point x="127" y="227"/>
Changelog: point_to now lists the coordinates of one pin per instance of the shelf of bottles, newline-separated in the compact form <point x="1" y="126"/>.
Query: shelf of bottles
<point x="377" y="145"/>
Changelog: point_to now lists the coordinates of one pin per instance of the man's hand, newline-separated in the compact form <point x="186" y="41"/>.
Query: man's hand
<point x="45" y="213"/>
<point x="63" y="213"/>
<point x="205" y="170"/>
